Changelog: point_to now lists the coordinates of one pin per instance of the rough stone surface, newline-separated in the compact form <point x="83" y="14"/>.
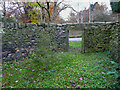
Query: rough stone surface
<point x="102" y="37"/>
<point x="19" y="40"/>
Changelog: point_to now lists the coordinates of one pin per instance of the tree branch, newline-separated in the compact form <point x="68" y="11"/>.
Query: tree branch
<point x="45" y="9"/>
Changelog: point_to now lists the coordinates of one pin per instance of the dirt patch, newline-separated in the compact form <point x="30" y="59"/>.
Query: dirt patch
<point x="75" y="32"/>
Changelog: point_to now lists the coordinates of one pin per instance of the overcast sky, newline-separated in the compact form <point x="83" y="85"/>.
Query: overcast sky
<point x="80" y="5"/>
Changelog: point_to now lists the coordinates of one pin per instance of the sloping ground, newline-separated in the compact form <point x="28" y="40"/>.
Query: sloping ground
<point x="70" y="70"/>
<point x="75" y="36"/>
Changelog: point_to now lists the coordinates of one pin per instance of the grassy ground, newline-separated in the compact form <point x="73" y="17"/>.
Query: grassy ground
<point x="71" y="70"/>
<point x="75" y="44"/>
<point x="75" y="36"/>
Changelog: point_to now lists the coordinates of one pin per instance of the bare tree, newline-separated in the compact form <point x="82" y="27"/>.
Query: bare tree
<point x="100" y="13"/>
<point x="21" y="9"/>
<point x="3" y="13"/>
<point x="58" y="6"/>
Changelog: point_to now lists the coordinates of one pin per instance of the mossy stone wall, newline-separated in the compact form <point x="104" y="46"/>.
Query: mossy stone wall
<point x="20" y="39"/>
<point x="101" y="37"/>
<point x="115" y="42"/>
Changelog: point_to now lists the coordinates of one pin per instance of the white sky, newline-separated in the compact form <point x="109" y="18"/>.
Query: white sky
<point x="80" y="5"/>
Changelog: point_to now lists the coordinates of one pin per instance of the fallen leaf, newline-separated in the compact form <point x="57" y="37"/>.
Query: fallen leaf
<point x="80" y="78"/>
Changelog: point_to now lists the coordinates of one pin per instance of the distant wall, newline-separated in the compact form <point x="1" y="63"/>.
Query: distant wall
<point x="75" y="32"/>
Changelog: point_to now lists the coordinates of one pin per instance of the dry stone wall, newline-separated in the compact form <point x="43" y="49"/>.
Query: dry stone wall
<point x="19" y="40"/>
<point x="102" y="37"/>
<point x="115" y="42"/>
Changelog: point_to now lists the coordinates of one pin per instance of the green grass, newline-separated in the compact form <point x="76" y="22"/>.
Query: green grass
<point x="75" y="36"/>
<point x="70" y="70"/>
<point x="75" y="44"/>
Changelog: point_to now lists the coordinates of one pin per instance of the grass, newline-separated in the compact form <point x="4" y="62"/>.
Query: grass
<point x="71" y="70"/>
<point x="75" y="36"/>
<point x="75" y="44"/>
